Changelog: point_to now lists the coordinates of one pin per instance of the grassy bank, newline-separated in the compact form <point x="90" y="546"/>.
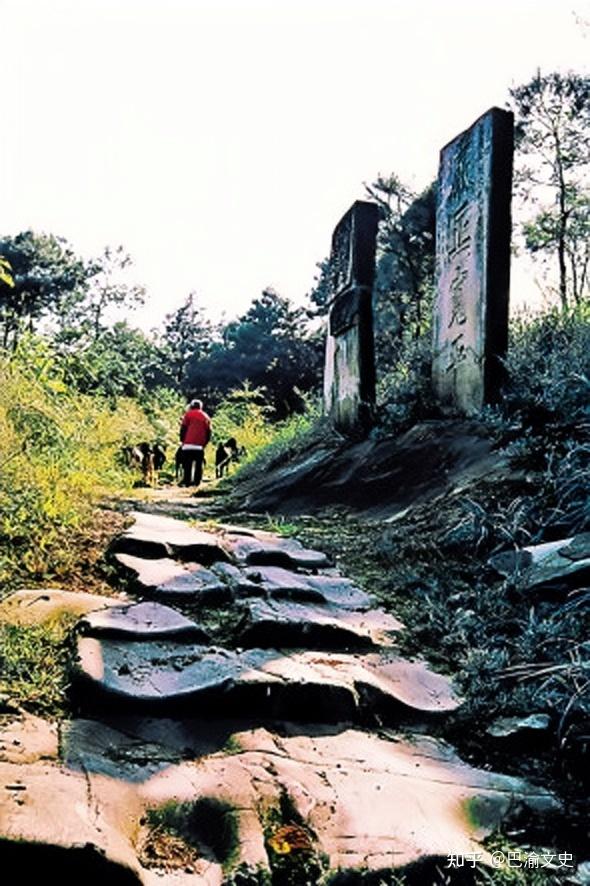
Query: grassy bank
<point x="59" y="455"/>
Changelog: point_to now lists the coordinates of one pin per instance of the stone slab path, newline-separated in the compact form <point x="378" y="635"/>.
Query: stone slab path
<point x="242" y="713"/>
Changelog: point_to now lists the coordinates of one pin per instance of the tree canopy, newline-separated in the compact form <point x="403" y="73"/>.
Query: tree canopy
<point x="552" y="127"/>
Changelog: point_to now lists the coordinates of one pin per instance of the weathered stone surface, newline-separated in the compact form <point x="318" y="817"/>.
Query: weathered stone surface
<point x="378" y="678"/>
<point x="156" y="537"/>
<point x="167" y="579"/>
<point x="364" y="801"/>
<point x="54" y="819"/>
<point x="507" y="727"/>
<point x="237" y="580"/>
<point x="473" y="263"/>
<point x="25" y="738"/>
<point x="349" y="375"/>
<point x="314" y="626"/>
<point x="201" y="679"/>
<point x="118" y="753"/>
<point x="132" y="747"/>
<point x="274" y="551"/>
<point x="30" y="607"/>
<point x="547" y="564"/>
<point x="286" y="584"/>
<point x="378" y="477"/>
<point x="578" y="548"/>
<point x="142" y="621"/>
<point x="368" y="802"/>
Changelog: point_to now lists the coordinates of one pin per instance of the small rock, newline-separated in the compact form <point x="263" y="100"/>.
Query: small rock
<point x="505" y="727"/>
<point x="578" y="548"/>
<point x="285" y="552"/>
<point x="556" y="562"/>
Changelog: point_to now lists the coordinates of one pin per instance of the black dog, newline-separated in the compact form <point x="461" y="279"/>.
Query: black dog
<point x="225" y="454"/>
<point x="159" y="456"/>
<point x="148" y="458"/>
<point x="148" y="473"/>
<point x="178" y="464"/>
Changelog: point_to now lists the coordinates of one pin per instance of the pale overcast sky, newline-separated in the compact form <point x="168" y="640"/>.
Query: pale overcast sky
<point x="221" y="140"/>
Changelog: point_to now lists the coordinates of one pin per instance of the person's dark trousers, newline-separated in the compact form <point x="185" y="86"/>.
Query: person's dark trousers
<point x="192" y="463"/>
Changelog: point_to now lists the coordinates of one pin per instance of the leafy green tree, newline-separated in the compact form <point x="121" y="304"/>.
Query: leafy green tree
<point x="187" y="335"/>
<point x="270" y="347"/>
<point x="321" y="292"/>
<point x="405" y="266"/>
<point x="552" y="128"/>
<point x="45" y="272"/>
<point x="105" y="288"/>
<point x="122" y="362"/>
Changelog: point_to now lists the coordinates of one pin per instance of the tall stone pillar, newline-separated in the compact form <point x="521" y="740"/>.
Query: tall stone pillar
<point x="470" y="331"/>
<point x="349" y="377"/>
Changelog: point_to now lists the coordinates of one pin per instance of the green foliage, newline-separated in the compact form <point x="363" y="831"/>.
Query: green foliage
<point x="186" y="336"/>
<point x="58" y="455"/>
<point x="104" y="288"/>
<point x="121" y="362"/>
<point x="284" y="440"/>
<point x="404" y="392"/>
<point x="405" y="268"/>
<point x="269" y="348"/>
<point x="45" y="272"/>
<point x="34" y="662"/>
<point x="552" y="124"/>
<point x="548" y="365"/>
<point x="244" y="415"/>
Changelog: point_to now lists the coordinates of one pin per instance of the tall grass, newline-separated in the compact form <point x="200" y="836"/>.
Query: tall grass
<point x="548" y="363"/>
<point x="58" y="455"/>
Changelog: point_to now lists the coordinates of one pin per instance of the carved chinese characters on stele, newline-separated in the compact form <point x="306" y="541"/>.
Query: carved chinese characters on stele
<point x="349" y="376"/>
<point x="473" y="263"/>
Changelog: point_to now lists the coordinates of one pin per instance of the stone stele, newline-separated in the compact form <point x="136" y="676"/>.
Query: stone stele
<point x="349" y="376"/>
<point x="473" y="263"/>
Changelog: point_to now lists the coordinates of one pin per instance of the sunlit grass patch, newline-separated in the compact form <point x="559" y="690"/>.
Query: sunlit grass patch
<point x="34" y="661"/>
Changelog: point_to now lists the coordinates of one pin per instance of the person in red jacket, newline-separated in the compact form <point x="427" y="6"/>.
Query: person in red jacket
<point x="195" y="433"/>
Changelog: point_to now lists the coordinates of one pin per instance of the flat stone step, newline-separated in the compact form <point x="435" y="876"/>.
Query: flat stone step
<point x="138" y="621"/>
<point x="167" y="579"/>
<point x="199" y="679"/>
<point x="273" y="551"/>
<point x="272" y="623"/>
<point x="282" y="583"/>
<point x="155" y="537"/>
